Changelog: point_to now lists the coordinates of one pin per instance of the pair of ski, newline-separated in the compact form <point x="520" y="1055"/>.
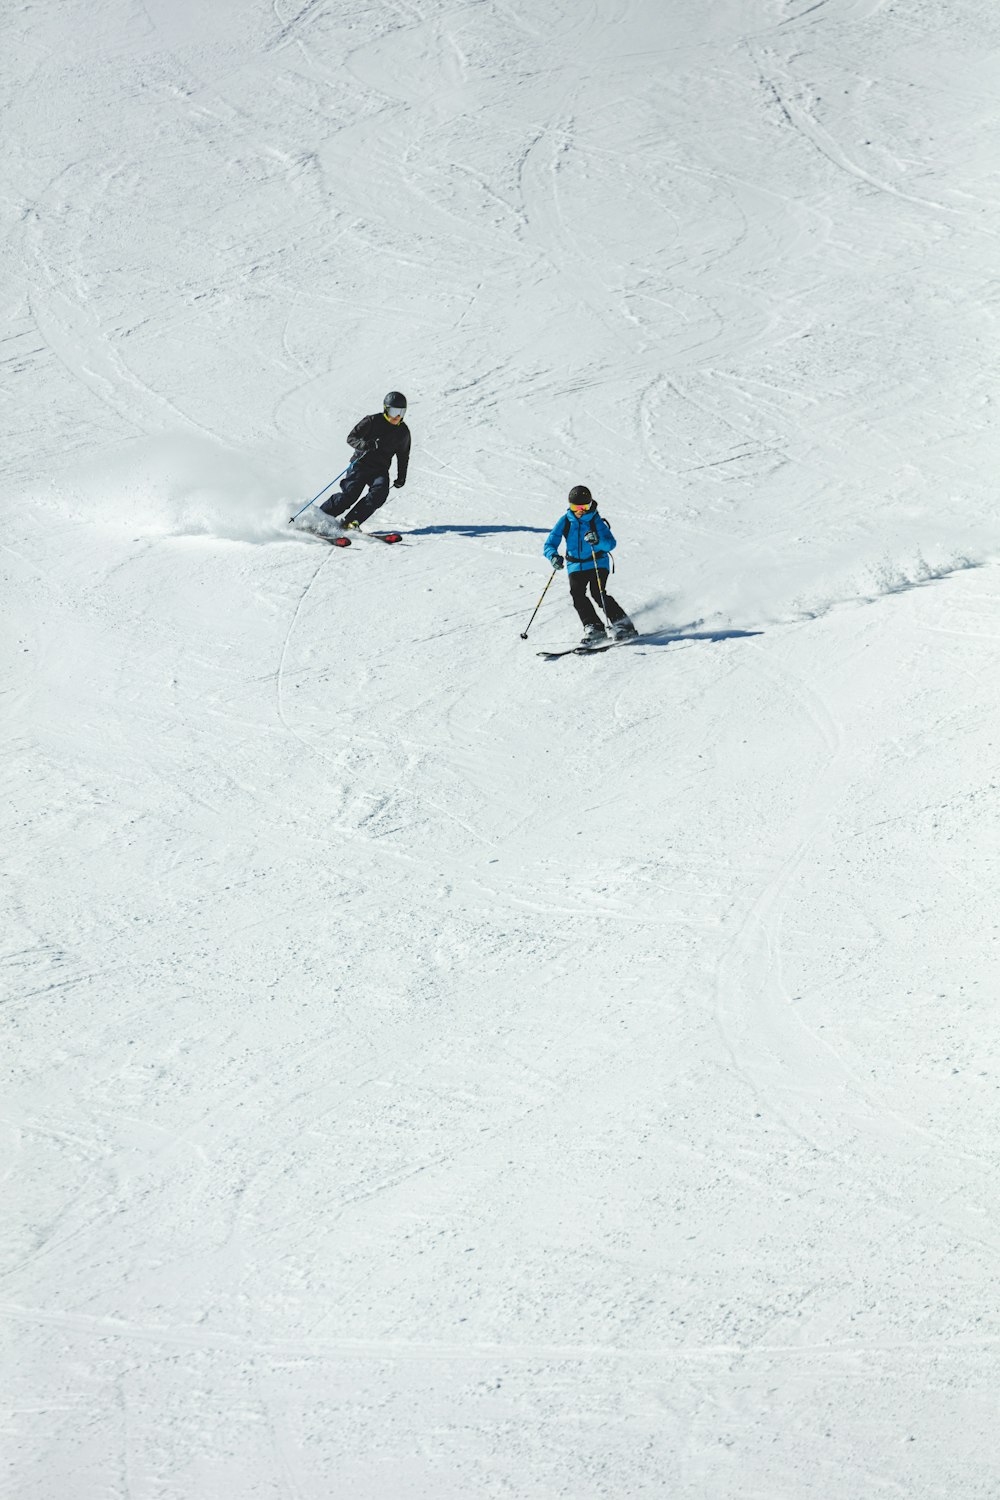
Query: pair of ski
<point x="629" y="640"/>
<point x="371" y="536"/>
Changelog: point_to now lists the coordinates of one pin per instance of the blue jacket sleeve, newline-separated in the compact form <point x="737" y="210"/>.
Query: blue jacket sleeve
<point x="606" y="540"/>
<point x="553" y="539"/>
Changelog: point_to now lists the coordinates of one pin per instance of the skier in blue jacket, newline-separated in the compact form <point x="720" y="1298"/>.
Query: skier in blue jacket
<point x="589" y="543"/>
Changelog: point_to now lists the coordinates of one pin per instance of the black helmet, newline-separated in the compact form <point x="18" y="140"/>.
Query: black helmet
<point x="395" y="399"/>
<point x="580" y="495"/>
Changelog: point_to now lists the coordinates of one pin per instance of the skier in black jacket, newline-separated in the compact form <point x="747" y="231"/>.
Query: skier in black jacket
<point x="376" y="441"/>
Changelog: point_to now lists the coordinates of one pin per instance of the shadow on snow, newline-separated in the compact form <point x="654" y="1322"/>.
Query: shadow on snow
<point x="469" y="529"/>
<point x="690" y="633"/>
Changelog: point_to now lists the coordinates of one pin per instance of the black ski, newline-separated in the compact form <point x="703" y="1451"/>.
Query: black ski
<point x="629" y="640"/>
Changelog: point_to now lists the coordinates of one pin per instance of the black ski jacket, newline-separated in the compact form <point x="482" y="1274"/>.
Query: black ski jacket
<point x="376" y="443"/>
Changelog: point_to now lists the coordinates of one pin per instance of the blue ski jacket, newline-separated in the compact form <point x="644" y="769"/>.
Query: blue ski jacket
<point x="572" y="530"/>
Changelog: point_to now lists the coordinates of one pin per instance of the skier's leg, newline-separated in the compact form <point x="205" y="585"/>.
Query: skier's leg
<point x="578" y="583"/>
<point x="596" y="580"/>
<point x="598" y="590"/>
<point x="612" y="608"/>
<point x="378" y="493"/>
<point x="621" y="627"/>
<point x="350" y="488"/>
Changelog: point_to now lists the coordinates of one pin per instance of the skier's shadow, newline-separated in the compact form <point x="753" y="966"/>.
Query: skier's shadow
<point x="685" y="633"/>
<point x="472" y="530"/>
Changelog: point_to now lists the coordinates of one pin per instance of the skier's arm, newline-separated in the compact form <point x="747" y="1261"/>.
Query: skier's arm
<point x="555" y="536"/>
<point x="402" y="460"/>
<point x="359" y="435"/>
<point x="606" y="541"/>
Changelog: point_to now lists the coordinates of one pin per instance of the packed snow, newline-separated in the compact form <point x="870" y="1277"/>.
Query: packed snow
<point x="431" y="1071"/>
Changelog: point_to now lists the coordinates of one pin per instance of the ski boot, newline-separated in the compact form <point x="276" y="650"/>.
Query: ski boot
<point x="623" y="630"/>
<point x="318" y="522"/>
<point x="593" y="635"/>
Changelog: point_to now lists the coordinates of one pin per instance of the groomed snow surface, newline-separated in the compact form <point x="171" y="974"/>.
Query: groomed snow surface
<point x="431" y="1072"/>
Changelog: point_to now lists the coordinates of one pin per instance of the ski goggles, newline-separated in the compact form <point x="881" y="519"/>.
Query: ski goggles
<point x="580" y="510"/>
<point x="394" y="413"/>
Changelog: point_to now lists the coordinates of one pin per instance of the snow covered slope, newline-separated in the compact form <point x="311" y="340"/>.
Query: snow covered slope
<point x="432" y="1072"/>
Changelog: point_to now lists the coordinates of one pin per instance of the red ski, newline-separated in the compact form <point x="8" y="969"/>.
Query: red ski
<point x="372" y="536"/>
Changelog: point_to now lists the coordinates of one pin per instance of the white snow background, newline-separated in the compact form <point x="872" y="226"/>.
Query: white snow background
<point x="429" y="1071"/>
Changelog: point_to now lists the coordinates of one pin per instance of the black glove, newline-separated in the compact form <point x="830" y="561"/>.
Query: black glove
<point x="558" y="561"/>
<point x="397" y="484"/>
<point x="591" y="538"/>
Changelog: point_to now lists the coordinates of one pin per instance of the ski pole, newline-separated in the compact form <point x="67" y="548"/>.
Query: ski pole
<point x="524" y="632"/>
<point x="600" y="588"/>
<point x="316" y="497"/>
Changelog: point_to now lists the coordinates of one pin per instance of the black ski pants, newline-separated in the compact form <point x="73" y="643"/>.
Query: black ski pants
<point x="349" y="497"/>
<point x="596" y="580"/>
